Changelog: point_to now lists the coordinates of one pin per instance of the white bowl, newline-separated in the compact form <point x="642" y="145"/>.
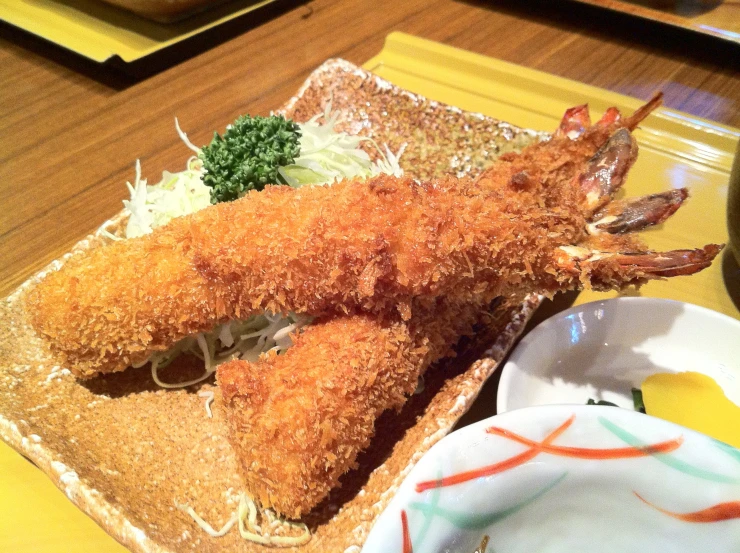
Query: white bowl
<point x="612" y="481"/>
<point x="601" y="350"/>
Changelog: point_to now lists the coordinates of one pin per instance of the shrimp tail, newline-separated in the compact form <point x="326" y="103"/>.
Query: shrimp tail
<point x="606" y="171"/>
<point x="574" y="123"/>
<point x="609" y="270"/>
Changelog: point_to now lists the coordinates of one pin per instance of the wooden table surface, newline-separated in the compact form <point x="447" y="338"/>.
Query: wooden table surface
<point x="70" y="130"/>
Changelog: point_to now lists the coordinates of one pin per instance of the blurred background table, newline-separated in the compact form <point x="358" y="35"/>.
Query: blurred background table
<point x="70" y="129"/>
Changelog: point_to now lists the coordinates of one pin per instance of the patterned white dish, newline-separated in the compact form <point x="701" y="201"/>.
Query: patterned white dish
<point x="567" y="479"/>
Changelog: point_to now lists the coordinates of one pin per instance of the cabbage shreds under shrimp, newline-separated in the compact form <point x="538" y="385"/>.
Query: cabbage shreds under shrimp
<point x="298" y="421"/>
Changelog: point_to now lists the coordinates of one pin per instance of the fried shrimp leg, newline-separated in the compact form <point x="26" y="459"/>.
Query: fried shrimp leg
<point x="297" y="421"/>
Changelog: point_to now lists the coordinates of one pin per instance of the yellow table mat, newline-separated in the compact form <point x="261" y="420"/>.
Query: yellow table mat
<point x="100" y="32"/>
<point x="677" y="150"/>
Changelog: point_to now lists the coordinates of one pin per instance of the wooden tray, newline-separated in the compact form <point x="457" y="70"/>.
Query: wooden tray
<point x="103" y="32"/>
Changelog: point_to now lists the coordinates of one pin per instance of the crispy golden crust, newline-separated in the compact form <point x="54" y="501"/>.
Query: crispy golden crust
<point x="119" y="303"/>
<point x="114" y="305"/>
<point x="379" y="244"/>
<point x="375" y="245"/>
<point x="298" y="421"/>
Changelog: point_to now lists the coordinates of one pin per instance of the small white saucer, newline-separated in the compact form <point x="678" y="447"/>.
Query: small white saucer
<point x="601" y="350"/>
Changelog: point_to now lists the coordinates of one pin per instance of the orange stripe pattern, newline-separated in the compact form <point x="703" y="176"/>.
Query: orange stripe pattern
<point x="496" y="468"/>
<point x="588" y="453"/>
<point x="407" y="548"/>
<point x="546" y="446"/>
<point x="716" y="513"/>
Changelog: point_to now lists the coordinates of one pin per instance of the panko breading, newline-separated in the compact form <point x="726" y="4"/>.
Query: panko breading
<point x="117" y="306"/>
<point x="318" y="250"/>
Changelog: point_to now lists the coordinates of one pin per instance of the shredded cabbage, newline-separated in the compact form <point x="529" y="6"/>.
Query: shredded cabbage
<point x="175" y="195"/>
<point x="274" y="531"/>
<point x="326" y="156"/>
<point x="232" y="340"/>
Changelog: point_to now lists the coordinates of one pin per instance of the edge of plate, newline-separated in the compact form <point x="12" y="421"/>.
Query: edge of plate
<point x="535" y="99"/>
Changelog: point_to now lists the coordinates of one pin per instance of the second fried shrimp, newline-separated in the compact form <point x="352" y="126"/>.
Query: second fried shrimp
<point x="297" y="421"/>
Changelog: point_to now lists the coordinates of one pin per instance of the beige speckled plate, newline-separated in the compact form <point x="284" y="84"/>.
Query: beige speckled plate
<point x="126" y="452"/>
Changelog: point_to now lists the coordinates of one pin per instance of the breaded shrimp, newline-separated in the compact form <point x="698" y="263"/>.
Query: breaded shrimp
<point x="297" y="421"/>
<point x="318" y="250"/>
<point x="379" y="244"/>
<point x="375" y="245"/>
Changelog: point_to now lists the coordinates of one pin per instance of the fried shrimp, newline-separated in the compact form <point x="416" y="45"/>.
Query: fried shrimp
<point x="379" y="244"/>
<point x="375" y="245"/>
<point x="297" y="421"/>
<point x="317" y="250"/>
